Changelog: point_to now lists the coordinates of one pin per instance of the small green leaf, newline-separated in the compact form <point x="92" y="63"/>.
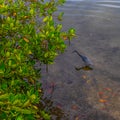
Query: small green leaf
<point x="11" y="25"/>
<point x="28" y="93"/>
<point x="45" y="19"/>
<point x="23" y="111"/>
<point x="3" y="116"/>
<point x="11" y="97"/>
<point x="59" y="27"/>
<point x="17" y="102"/>
<point x="33" y="97"/>
<point x="45" y="115"/>
<point x="18" y="57"/>
<point x="50" y="18"/>
<point x="4" y="96"/>
<point x="31" y="11"/>
<point x="7" y="54"/>
<point x="10" y="62"/>
<point x="46" y="54"/>
<point x="2" y="67"/>
<point x="26" y="104"/>
<point x="29" y="117"/>
<point x="4" y="86"/>
<point x="19" y="118"/>
<point x="8" y="19"/>
<point x="60" y="16"/>
<point x="72" y="31"/>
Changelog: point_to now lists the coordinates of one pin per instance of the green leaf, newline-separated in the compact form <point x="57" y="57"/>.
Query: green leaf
<point x="29" y="117"/>
<point x="4" y="86"/>
<point x="46" y="54"/>
<point x="28" y="93"/>
<point x="59" y="27"/>
<point x="11" y="98"/>
<point x="18" y="56"/>
<point x="7" y="54"/>
<point x="23" y="111"/>
<point x="33" y="97"/>
<point x="72" y="32"/>
<point x="2" y="67"/>
<point x="11" y="25"/>
<point x="45" y="115"/>
<point x="45" y="19"/>
<point x="61" y="2"/>
<point x="3" y="116"/>
<point x="32" y="11"/>
<point x="12" y="82"/>
<point x="8" y="19"/>
<point x="60" y="16"/>
<point x="19" y="118"/>
<point x="12" y="63"/>
<point x="17" y="102"/>
<point x="4" y="96"/>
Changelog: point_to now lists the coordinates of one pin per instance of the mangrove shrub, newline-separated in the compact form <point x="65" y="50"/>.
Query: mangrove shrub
<point x="28" y="32"/>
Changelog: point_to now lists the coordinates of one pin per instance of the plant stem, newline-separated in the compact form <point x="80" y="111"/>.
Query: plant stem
<point x="47" y="68"/>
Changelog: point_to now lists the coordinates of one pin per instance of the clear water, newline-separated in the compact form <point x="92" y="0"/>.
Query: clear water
<point x="97" y="23"/>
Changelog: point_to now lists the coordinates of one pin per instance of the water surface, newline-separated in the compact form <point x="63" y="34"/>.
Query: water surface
<point x="76" y="92"/>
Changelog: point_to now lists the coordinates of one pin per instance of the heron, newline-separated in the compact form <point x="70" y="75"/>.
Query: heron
<point x="86" y="60"/>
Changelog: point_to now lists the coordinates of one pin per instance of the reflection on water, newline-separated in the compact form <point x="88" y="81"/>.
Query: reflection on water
<point x="108" y="5"/>
<point x="95" y="94"/>
<point x="85" y="68"/>
<point x="56" y="111"/>
<point x="88" y="6"/>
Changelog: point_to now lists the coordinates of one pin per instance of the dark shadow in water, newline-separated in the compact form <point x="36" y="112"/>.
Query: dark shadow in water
<point x="85" y="68"/>
<point x="55" y="111"/>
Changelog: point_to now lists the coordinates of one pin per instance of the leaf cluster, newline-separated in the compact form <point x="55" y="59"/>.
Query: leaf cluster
<point x="28" y="32"/>
<point x="19" y="101"/>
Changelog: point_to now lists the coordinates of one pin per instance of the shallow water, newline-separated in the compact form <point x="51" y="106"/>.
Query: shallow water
<point x="76" y="92"/>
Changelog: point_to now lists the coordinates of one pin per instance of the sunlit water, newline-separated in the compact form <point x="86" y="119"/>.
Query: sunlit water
<point x="97" y="24"/>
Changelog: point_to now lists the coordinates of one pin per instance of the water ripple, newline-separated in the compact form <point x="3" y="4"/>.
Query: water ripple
<point x="96" y="8"/>
<point x="109" y="5"/>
